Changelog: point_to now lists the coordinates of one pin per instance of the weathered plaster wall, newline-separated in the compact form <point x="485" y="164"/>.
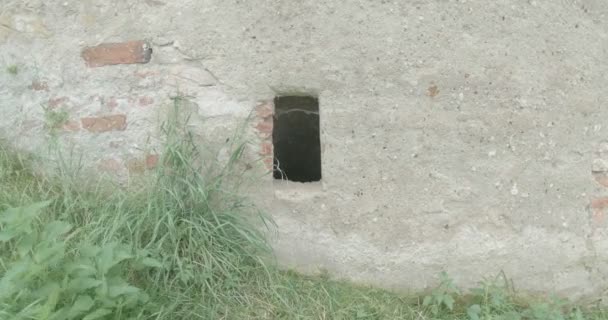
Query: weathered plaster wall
<point x="468" y="136"/>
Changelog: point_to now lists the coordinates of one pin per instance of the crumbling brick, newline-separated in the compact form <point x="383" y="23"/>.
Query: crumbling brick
<point x="117" y="122"/>
<point x="117" y="53"/>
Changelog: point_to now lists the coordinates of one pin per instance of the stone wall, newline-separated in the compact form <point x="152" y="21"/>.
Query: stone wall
<point x="468" y="136"/>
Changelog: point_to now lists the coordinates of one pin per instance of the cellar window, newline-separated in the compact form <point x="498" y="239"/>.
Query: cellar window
<point x="296" y="139"/>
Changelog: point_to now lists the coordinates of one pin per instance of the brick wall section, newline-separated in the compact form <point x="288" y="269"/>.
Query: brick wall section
<point x="117" y="53"/>
<point x="599" y="209"/>
<point x="117" y="122"/>
<point x="263" y="125"/>
<point x="38" y="85"/>
<point x="71" y="126"/>
<point x="138" y="166"/>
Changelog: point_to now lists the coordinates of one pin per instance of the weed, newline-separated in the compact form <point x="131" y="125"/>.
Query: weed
<point x="443" y="296"/>
<point x="55" y="119"/>
<point x="13" y="69"/>
<point x="46" y="274"/>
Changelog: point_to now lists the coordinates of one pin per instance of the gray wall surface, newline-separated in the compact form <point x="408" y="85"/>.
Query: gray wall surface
<point x="468" y="136"/>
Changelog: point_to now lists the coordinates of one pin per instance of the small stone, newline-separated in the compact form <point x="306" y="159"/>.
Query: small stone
<point x="514" y="190"/>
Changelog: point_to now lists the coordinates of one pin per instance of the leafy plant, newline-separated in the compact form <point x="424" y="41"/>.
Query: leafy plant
<point x="551" y="310"/>
<point x="47" y="274"/>
<point x="493" y="299"/>
<point x="443" y="296"/>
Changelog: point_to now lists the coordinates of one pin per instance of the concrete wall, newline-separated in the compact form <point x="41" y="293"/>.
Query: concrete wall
<point x="469" y="136"/>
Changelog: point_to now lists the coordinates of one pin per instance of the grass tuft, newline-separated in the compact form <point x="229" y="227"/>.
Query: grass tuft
<point x="12" y="69"/>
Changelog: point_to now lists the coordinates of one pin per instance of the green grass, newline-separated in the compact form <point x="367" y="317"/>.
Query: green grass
<point x="206" y="244"/>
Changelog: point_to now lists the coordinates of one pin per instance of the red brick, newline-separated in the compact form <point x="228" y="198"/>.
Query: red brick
<point x="117" y="122"/>
<point x="117" y="53"/>
<point x="601" y="178"/>
<point x="39" y="86"/>
<point x="269" y="163"/>
<point x="266" y="149"/>
<point x="265" y="110"/>
<point x="433" y="91"/>
<point x="151" y="161"/>
<point x="111" y="103"/>
<point x="140" y="165"/>
<point x="145" y="101"/>
<point x="265" y="128"/>
<point x="598" y="208"/>
<point x="71" y="125"/>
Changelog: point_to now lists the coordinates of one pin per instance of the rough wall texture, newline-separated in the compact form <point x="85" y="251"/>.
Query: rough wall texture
<point x="468" y="136"/>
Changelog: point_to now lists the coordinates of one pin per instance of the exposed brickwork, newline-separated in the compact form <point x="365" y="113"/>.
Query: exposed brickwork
<point x="38" y="85"/>
<point x="599" y="170"/>
<point x="71" y="126"/>
<point x="137" y="166"/>
<point x="152" y="161"/>
<point x="145" y="101"/>
<point x="111" y="103"/>
<point x="266" y="149"/>
<point x="601" y="178"/>
<point x="117" y="53"/>
<point x="599" y="208"/>
<point x="57" y="102"/>
<point x="263" y="126"/>
<point x="117" y="122"/>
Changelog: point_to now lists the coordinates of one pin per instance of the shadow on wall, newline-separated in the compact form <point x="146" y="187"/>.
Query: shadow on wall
<point x="297" y="144"/>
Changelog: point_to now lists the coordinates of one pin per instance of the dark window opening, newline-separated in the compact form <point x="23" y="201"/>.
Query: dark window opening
<point x="295" y="135"/>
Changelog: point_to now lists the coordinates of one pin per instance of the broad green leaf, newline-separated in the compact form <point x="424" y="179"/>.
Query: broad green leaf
<point x="8" y="234"/>
<point x="52" y="252"/>
<point x="88" y="250"/>
<point x="448" y="301"/>
<point x="12" y="278"/>
<point x="82" y="268"/>
<point x="26" y="243"/>
<point x="53" y="230"/>
<point x="473" y="312"/>
<point x="51" y="302"/>
<point x="121" y="253"/>
<point x="152" y="263"/>
<point x="82" y="304"/>
<point x="83" y="283"/>
<point x="47" y="289"/>
<point x="427" y="301"/>
<point x="97" y="314"/>
<point x="105" y="259"/>
<point x="23" y="214"/>
<point x="121" y="289"/>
